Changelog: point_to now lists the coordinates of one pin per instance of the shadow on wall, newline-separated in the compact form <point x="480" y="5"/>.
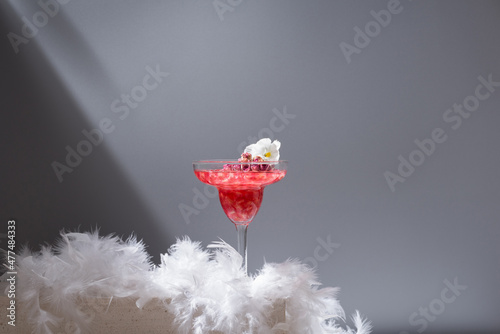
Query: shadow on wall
<point x="40" y="119"/>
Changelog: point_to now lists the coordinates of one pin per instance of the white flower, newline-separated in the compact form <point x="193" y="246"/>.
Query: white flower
<point x="265" y="149"/>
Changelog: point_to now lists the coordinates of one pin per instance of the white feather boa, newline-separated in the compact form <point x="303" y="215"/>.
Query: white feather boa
<point x="205" y="289"/>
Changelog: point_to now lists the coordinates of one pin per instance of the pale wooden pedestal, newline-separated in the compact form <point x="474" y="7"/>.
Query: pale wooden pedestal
<point x="119" y="316"/>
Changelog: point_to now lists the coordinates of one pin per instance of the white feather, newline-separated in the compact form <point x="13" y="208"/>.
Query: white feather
<point x="205" y="290"/>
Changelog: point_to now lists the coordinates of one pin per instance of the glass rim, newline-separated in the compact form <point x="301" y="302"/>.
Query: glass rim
<point x="234" y="162"/>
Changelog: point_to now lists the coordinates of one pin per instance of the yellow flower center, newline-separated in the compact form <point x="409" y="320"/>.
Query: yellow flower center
<point x="267" y="155"/>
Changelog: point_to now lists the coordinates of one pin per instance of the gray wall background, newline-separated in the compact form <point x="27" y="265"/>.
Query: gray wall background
<point x="391" y="252"/>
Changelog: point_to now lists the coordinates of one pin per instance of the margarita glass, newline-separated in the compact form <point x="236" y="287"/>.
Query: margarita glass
<point x="241" y="188"/>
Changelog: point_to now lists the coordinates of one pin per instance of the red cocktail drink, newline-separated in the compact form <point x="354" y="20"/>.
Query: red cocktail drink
<point x="240" y="192"/>
<point x="241" y="188"/>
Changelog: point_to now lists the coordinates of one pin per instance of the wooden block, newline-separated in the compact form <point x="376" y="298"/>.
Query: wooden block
<point x="118" y="315"/>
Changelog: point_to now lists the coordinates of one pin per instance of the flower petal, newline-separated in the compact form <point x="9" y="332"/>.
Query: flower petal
<point x="264" y="142"/>
<point x="265" y="149"/>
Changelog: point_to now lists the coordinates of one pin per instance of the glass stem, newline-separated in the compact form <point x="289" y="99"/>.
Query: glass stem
<point x="242" y="244"/>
